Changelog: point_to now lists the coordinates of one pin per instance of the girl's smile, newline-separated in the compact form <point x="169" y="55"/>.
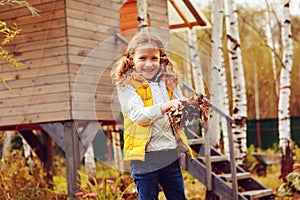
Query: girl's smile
<point x="147" y="61"/>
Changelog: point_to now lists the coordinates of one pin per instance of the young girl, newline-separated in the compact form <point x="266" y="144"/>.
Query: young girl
<point x="146" y="80"/>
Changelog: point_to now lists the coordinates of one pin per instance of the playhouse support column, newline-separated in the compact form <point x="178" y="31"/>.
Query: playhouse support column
<point x="48" y="165"/>
<point x="71" y="138"/>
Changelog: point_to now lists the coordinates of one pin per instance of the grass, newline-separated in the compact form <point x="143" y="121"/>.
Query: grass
<point x="271" y="180"/>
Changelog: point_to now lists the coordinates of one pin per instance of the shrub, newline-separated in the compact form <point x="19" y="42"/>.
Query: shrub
<point x="19" y="181"/>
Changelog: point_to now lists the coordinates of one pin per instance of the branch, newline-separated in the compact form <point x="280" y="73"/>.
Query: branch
<point x="33" y="10"/>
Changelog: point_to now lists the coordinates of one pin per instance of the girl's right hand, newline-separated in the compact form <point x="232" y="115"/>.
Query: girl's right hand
<point x="174" y="103"/>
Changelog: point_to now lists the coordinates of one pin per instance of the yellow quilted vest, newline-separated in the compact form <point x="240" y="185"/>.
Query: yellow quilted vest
<point x="136" y="136"/>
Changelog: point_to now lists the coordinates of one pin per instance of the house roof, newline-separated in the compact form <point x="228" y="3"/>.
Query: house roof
<point x="186" y="14"/>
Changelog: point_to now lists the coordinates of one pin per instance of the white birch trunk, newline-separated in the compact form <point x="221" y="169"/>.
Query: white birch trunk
<point x="215" y="77"/>
<point x="195" y="61"/>
<point x="89" y="161"/>
<point x="268" y="33"/>
<point x="285" y="91"/>
<point x="142" y="13"/>
<point x="188" y="68"/>
<point x="239" y="128"/>
<point x="7" y="142"/>
<point x="117" y="151"/>
<point x="218" y="59"/>
<point x="27" y="154"/>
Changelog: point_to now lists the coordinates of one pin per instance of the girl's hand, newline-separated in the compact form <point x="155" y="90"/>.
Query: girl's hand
<point x="174" y="104"/>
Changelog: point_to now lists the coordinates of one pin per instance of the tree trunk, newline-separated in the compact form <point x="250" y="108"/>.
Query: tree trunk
<point x="216" y="78"/>
<point x="195" y="61"/>
<point x="188" y="70"/>
<point x="142" y="13"/>
<point x="117" y="150"/>
<point x="239" y="126"/>
<point x="7" y="142"/>
<point x="272" y="46"/>
<point x="285" y="92"/>
<point x="27" y="154"/>
<point x="90" y="165"/>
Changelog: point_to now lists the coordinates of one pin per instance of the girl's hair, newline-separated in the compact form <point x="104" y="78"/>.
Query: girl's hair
<point x="122" y="71"/>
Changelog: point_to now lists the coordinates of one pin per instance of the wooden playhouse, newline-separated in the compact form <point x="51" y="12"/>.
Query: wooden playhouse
<point x="64" y="83"/>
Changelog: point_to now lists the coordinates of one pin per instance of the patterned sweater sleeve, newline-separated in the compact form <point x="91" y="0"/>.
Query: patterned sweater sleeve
<point x="133" y="107"/>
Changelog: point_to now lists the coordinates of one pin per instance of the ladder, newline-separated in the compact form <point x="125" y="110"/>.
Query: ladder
<point x="220" y="174"/>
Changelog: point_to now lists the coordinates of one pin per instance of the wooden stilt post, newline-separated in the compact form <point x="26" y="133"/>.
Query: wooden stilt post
<point x="48" y="164"/>
<point x="72" y="157"/>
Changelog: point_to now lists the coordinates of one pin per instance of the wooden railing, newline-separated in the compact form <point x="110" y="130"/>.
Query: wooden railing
<point x="207" y="148"/>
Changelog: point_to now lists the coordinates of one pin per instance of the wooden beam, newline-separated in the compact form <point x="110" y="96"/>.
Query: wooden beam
<point x="48" y="164"/>
<point x="87" y="135"/>
<point x="194" y="13"/>
<point x="56" y="131"/>
<point x="176" y="26"/>
<point x="20" y="127"/>
<point x="186" y="21"/>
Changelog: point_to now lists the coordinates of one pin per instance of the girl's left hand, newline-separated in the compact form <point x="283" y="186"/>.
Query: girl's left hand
<point x="174" y="104"/>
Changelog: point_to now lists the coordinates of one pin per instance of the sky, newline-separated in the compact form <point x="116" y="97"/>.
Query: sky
<point x="260" y="4"/>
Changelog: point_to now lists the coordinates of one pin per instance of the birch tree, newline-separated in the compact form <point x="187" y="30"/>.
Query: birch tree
<point x="195" y="61"/>
<point x="219" y="89"/>
<point x="285" y="92"/>
<point x="142" y="14"/>
<point x="239" y="126"/>
<point x="7" y="142"/>
<point x="117" y="150"/>
<point x="90" y="164"/>
<point x="215" y="85"/>
<point x="273" y="44"/>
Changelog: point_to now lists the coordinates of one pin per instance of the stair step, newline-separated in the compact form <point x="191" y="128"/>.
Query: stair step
<point x="195" y="141"/>
<point x="255" y="194"/>
<point x="239" y="176"/>
<point x="215" y="158"/>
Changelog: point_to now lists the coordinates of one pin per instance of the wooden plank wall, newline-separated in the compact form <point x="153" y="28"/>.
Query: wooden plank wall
<point x="92" y="26"/>
<point x="158" y="12"/>
<point x="39" y="91"/>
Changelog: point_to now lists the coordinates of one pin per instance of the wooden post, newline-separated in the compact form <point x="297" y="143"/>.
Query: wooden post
<point x="66" y="136"/>
<point x="207" y="158"/>
<point x="48" y="164"/>
<point x="235" y="194"/>
<point x="72" y="157"/>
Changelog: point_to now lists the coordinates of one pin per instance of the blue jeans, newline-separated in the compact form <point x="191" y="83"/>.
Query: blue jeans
<point x="159" y="168"/>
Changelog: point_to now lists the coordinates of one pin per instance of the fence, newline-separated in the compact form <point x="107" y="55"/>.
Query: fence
<point x="269" y="132"/>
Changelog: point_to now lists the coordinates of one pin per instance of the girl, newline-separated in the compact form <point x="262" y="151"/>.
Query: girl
<point x="146" y="80"/>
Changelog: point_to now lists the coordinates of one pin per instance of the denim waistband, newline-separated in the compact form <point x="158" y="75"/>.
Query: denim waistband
<point x="154" y="160"/>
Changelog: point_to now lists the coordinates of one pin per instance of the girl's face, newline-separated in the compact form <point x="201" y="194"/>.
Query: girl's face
<point x="146" y="61"/>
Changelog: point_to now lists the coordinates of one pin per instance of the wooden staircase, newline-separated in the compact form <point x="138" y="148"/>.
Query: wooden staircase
<point x="219" y="173"/>
<point x="221" y="177"/>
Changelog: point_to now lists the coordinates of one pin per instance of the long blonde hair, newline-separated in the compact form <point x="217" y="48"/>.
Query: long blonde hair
<point x="122" y="71"/>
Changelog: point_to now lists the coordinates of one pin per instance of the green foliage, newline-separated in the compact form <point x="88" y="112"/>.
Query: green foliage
<point x="21" y="181"/>
<point x="292" y="186"/>
<point x="7" y="34"/>
<point x="33" y="10"/>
